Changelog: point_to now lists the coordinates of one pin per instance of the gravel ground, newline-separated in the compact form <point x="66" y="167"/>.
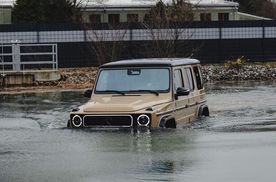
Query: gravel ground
<point x="80" y="78"/>
<point x="248" y="72"/>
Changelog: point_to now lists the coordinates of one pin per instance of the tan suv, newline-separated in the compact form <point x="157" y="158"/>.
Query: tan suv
<point x="143" y="93"/>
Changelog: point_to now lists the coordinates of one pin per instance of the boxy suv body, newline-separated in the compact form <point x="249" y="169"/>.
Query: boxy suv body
<point x="143" y="93"/>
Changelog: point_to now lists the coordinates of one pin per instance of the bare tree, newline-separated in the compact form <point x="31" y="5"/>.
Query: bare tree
<point x="180" y="11"/>
<point x="106" y="44"/>
<point x="104" y="39"/>
<point x="162" y="24"/>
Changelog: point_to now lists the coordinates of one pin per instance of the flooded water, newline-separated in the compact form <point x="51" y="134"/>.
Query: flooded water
<point x="236" y="144"/>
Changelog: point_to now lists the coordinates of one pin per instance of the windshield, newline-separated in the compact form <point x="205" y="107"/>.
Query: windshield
<point x="134" y="80"/>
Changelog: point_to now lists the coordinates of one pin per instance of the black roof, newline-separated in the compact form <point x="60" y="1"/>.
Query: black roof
<point x="151" y="62"/>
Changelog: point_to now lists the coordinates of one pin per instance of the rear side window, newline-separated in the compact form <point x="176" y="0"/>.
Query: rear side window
<point x="198" y="77"/>
<point x="178" y="80"/>
<point x="188" y="77"/>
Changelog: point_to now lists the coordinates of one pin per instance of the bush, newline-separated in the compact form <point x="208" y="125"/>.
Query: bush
<point x="236" y="64"/>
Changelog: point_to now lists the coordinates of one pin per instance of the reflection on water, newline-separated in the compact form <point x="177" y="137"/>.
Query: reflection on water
<point x="237" y="143"/>
<point x="49" y="110"/>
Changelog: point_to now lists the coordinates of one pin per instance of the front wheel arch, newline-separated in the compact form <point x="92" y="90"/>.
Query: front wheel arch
<point x="167" y="122"/>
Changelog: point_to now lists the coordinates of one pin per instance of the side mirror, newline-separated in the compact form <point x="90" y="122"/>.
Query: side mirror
<point x="87" y="93"/>
<point x="180" y="91"/>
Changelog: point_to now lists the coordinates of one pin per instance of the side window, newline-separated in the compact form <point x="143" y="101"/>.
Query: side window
<point x="178" y="80"/>
<point x="205" y="17"/>
<point x="197" y="72"/>
<point x="113" y="19"/>
<point x="95" y="18"/>
<point x="223" y="16"/>
<point x="189" y="77"/>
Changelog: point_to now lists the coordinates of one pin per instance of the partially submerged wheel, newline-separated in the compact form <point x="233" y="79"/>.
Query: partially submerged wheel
<point x="167" y="122"/>
<point x="68" y="124"/>
<point x="203" y="111"/>
<point x="170" y="124"/>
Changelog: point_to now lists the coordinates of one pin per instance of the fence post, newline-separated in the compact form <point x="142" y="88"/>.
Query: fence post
<point x="16" y="57"/>
<point x="263" y="41"/>
<point x="56" y="56"/>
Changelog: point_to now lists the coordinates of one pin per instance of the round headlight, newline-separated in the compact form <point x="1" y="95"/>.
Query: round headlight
<point x="77" y="121"/>
<point x="143" y="120"/>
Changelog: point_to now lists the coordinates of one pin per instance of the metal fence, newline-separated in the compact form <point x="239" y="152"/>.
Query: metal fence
<point x="20" y="57"/>
<point x="213" y="41"/>
<point x="186" y="33"/>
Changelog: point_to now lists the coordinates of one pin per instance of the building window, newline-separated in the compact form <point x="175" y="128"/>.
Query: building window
<point x="205" y="17"/>
<point x="113" y="19"/>
<point x="223" y="16"/>
<point x="132" y="18"/>
<point x="95" y="18"/>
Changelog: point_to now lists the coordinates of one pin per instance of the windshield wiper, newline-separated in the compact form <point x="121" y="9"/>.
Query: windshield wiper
<point x="149" y="91"/>
<point x="114" y="91"/>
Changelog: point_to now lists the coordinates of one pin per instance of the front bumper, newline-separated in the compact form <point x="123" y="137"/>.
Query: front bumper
<point x="107" y="120"/>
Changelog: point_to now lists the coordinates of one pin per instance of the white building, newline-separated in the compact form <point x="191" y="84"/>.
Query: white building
<point x="103" y="11"/>
<point x="5" y="11"/>
<point x="135" y="10"/>
<point x="215" y="10"/>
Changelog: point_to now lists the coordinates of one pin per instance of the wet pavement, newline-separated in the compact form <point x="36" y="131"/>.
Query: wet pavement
<point x="236" y="144"/>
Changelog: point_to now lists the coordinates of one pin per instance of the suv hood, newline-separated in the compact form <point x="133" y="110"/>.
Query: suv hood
<point x="128" y="103"/>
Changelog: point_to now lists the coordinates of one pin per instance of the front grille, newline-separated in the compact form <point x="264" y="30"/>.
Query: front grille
<point x="108" y="120"/>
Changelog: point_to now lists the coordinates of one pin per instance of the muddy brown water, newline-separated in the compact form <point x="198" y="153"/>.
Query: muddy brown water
<point x="236" y="144"/>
